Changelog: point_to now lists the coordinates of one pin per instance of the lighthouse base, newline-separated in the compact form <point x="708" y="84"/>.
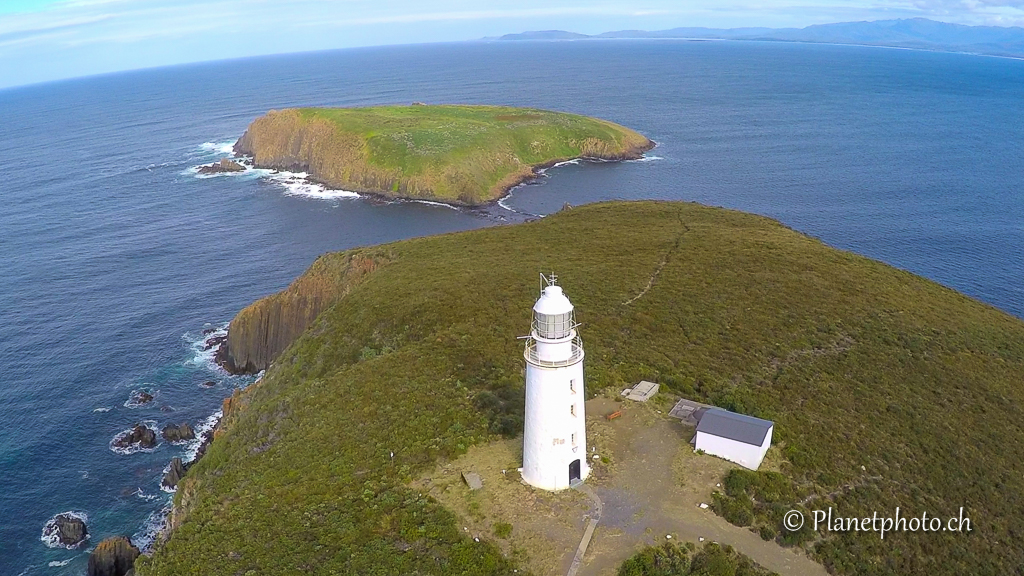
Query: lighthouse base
<point x="571" y="475"/>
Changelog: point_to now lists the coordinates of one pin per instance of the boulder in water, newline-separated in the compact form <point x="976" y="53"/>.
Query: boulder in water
<point x="173" y="433"/>
<point x="67" y="529"/>
<point x="140" y="435"/>
<point x="113" y="557"/>
<point x="175" y="474"/>
<point x="213" y="341"/>
<point x="224" y="166"/>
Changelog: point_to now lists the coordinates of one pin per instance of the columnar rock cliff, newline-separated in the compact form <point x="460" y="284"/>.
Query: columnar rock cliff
<point x="264" y="329"/>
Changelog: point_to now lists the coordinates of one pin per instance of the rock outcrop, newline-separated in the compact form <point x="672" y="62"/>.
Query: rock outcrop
<point x="175" y="474"/>
<point x="139" y="398"/>
<point x="67" y="529"/>
<point x="261" y="331"/>
<point x="173" y="433"/>
<point x="140" y="435"/>
<point x="213" y="341"/>
<point x="113" y="557"/>
<point x="224" y="166"/>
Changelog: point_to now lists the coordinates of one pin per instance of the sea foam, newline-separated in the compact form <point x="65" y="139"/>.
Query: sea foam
<point x="201" y="356"/>
<point x="202" y="429"/>
<point x="218" y="147"/>
<point x="299" y="184"/>
<point x="293" y="183"/>
<point x="151" y="528"/>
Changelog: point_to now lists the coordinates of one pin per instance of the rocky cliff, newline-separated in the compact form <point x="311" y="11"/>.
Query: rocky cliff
<point x="264" y="329"/>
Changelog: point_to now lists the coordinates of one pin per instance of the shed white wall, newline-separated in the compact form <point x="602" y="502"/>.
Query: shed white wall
<point x="746" y="455"/>
<point x="549" y="426"/>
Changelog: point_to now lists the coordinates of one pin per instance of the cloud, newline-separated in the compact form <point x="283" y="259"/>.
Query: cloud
<point x="106" y="34"/>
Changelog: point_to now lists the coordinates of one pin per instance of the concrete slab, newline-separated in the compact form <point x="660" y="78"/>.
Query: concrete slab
<point x="473" y="480"/>
<point x="643" y="391"/>
<point x="689" y="411"/>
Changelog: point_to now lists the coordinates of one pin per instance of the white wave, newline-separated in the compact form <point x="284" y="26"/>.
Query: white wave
<point x="55" y="564"/>
<point x="646" y="158"/>
<point x="201" y="356"/>
<point x="501" y="202"/>
<point x="202" y="429"/>
<point x="566" y="163"/>
<point x="433" y="203"/>
<point x="151" y="424"/>
<point x="151" y="528"/>
<point x="143" y="496"/>
<point x="294" y="183"/>
<point x="219" y="147"/>
<point x="51" y="533"/>
<point x="101" y="410"/>
<point x="299" y="184"/>
<point x="135" y="398"/>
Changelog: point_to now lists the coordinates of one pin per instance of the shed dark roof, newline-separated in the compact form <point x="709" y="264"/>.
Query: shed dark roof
<point x="733" y="426"/>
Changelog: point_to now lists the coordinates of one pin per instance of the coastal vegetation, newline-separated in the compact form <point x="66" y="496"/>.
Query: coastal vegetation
<point x="672" y="559"/>
<point x="887" y="390"/>
<point x="458" y="154"/>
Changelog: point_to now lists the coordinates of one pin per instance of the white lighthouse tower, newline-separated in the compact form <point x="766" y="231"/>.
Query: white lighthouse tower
<point x="555" y="436"/>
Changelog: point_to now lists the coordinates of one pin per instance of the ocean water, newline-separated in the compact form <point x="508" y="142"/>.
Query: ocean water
<point x="115" y="255"/>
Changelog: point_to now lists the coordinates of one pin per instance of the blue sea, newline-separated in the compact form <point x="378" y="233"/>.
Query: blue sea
<point x="115" y="255"/>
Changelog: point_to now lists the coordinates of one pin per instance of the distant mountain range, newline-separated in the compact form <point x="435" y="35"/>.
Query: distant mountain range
<point x="905" y="33"/>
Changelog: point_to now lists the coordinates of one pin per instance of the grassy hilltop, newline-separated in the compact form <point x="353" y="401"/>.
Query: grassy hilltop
<point x="459" y="154"/>
<point x="887" y="390"/>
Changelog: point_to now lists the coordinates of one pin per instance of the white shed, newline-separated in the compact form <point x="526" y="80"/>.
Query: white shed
<point x="735" y="437"/>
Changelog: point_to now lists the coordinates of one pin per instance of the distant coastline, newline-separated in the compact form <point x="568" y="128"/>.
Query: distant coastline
<point x="911" y="34"/>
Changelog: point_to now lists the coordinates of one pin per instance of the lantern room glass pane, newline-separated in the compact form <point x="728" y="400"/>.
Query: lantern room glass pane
<point x="553" y="326"/>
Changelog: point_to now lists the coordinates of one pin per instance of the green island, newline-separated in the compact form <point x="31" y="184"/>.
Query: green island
<point x="466" y="155"/>
<point x="399" y="363"/>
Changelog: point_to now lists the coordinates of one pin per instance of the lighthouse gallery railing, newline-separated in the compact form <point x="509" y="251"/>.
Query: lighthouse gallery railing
<point x="531" y="354"/>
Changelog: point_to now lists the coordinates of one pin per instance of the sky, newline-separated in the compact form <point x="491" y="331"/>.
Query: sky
<point x="44" y="40"/>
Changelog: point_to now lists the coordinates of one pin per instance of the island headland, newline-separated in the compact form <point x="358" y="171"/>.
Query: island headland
<point x="457" y="154"/>
<point x="886" y="389"/>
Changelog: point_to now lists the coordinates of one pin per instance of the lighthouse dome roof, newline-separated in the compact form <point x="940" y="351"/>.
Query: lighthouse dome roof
<point x="552" y="302"/>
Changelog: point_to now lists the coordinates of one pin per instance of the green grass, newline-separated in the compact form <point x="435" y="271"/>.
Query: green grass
<point x="859" y="364"/>
<point x="460" y="154"/>
<point x="502" y="530"/>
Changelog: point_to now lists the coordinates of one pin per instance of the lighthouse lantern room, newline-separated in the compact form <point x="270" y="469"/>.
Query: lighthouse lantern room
<point x="555" y="437"/>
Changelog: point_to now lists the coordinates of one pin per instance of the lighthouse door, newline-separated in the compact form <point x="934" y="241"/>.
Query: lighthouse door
<point x="574" y="471"/>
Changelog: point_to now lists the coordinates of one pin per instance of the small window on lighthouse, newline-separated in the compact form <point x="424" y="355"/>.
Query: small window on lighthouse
<point x="572" y="386"/>
<point x="574" y="439"/>
<point x="572" y="409"/>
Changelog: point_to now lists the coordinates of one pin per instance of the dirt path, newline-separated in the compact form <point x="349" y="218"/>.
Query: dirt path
<point x="647" y="484"/>
<point x="654" y="490"/>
